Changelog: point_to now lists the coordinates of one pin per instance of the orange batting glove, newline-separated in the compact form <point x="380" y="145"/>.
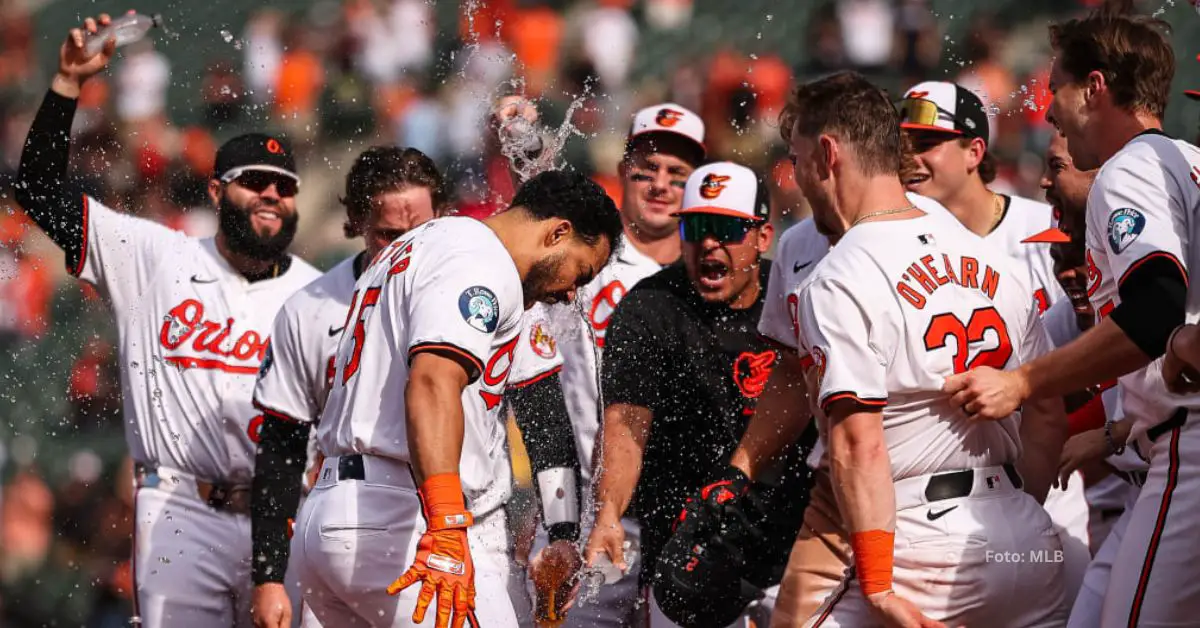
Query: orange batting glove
<point x="443" y="564"/>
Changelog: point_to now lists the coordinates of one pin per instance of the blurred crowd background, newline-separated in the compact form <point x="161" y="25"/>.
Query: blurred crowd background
<point x="336" y="76"/>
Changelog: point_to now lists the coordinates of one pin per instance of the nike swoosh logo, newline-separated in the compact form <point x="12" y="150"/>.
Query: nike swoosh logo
<point x="799" y="267"/>
<point x="334" y="332"/>
<point x="196" y="279"/>
<point x="934" y="516"/>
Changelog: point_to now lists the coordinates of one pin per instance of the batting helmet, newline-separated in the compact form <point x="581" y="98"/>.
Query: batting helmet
<point x="700" y="581"/>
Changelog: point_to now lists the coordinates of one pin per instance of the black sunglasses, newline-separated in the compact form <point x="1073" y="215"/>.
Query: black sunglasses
<point x="257" y="181"/>
<point x="725" y="229"/>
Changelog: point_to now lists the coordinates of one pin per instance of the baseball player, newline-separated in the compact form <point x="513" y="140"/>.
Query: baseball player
<point x="1112" y="497"/>
<point x="1140" y="245"/>
<point x="389" y="191"/>
<point x="194" y="317"/>
<point x="432" y="330"/>
<point x="902" y="300"/>
<point x="665" y="144"/>
<point x="950" y="135"/>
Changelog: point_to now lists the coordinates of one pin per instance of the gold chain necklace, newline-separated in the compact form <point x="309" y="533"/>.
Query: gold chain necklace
<point x="885" y="212"/>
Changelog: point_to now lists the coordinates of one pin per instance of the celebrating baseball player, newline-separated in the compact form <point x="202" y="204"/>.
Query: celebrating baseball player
<point x="1140" y="245"/>
<point x="926" y="494"/>
<point x="665" y="144"/>
<point x="194" y="317"/>
<point x="406" y="509"/>
<point x="682" y="373"/>
<point x="389" y="191"/>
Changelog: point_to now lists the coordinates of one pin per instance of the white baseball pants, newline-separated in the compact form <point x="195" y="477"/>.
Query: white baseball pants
<point x="1085" y="613"/>
<point x="1155" y="578"/>
<point x="358" y="536"/>
<point x="989" y="558"/>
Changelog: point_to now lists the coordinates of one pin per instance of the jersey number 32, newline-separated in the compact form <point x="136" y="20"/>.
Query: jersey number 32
<point x="949" y="329"/>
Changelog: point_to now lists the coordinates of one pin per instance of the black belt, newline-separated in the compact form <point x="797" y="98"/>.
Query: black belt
<point x="1177" y="420"/>
<point x="1136" y="478"/>
<point x="959" y="483"/>
<point x="351" y="467"/>
<point x="225" y="497"/>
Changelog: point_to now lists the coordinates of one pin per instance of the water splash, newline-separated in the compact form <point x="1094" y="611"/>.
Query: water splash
<point x="530" y="150"/>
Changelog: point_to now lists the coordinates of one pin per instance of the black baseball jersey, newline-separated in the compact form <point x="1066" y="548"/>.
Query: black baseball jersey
<point x="699" y="368"/>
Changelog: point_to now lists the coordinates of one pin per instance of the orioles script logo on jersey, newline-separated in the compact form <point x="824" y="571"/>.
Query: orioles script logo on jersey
<point x="819" y="360"/>
<point x="668" y="117"/>
<point x="1094" y="276"/>
<point x="751" y="370"/>
<point x="603" y="306"/>
<point x="212" y="341"/>
<point x="927" y="275"/>
<point x="495" y="373"/>
<point x="713" y="185"/>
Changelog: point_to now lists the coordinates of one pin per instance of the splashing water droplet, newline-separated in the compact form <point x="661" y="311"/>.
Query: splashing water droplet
<point x="226" y="35"/>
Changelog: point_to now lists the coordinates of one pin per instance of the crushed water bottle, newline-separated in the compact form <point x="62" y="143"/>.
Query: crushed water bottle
<point x="126" y="29"/>
<point x="604" y="572"/>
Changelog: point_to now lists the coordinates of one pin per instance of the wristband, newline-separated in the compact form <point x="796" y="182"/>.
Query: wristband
<point x="443" y="504"/>
<point x="874" y="554"/>
<point x="558" y="489"/>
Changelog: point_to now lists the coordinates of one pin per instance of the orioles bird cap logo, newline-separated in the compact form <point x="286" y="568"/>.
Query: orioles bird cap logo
<point x="274" y="147"/>
<point x="713" y="185"/>
<point x="668" y="117"/>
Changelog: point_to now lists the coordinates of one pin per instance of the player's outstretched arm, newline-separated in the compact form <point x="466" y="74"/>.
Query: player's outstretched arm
<point x="1103" y="353"/>
<point x="41" y="188"/>
<point x="1181" y="367"/>
<point x="621" y="444"/>
<point x="780" y="417"/>
<point x="275" y="496"/>
<point x="541" y="413"/>
<point x="862" y="483"/>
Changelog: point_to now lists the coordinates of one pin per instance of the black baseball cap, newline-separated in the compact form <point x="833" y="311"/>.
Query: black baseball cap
<point x="254" y="151"/>
<point x="946" y="108"/>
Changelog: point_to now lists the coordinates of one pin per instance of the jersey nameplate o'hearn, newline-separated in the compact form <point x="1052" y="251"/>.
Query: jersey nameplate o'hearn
<point x="927" y="275"/>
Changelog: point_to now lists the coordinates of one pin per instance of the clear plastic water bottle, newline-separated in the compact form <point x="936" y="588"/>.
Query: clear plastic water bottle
<point x="604" y="572"/>
<point x="126" y="29"/>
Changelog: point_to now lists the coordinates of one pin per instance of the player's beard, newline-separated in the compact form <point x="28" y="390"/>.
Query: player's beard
<point x="541" y="275"/>
<point x="236" y="226"/>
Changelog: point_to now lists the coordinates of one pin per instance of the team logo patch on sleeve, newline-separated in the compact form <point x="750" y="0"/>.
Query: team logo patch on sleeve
<point x="1124" y="226"/>
<point x="480" y="308"/>
<point x="542" y="342"/>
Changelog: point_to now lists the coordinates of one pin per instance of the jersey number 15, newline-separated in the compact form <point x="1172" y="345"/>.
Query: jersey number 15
<point x="947" y="327"/>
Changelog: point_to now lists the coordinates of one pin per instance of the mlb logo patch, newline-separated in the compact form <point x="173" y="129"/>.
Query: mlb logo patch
<point x="993" y="482"/>
<point x="927" y="239"/>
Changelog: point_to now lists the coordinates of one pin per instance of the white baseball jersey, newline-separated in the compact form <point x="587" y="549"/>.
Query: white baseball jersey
<point x="1023" y="218"/>
<point x="581" y="353"/>
<point x="448" y="285"/>
<point x="1141" y="206"/>
<point x="303" y="343"/>
<point x="192" y="333"/>
<point x="895" y="308"/>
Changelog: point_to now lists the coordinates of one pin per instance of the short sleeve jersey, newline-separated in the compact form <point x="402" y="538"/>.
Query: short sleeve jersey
<point x="192" y="334"/>
<point x="450" y="286"/>
<point x="1141" y="207"/>
<point x="895" y="308"/>
<point x="582" y="341"/>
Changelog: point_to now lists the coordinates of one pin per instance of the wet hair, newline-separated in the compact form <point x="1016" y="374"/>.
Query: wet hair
<point x="382" y="169"/>
<point x="575" y="198"/>
<point x="1131" y="51"/>
<point x="850" y="107"/>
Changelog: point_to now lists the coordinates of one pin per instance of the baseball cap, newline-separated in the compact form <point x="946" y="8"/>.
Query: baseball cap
<point x="945" y="107"/>
<point x="254" y="151"/>
<point x="724" y="188"/>
<point x="1194" y="94"/>
<point x="668" y="118"/>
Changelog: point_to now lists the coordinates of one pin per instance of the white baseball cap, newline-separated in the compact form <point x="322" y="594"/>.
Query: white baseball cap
<point x="668" y="118"/>
<point x="946" y="107"/>
<point x="724" y="188"/>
